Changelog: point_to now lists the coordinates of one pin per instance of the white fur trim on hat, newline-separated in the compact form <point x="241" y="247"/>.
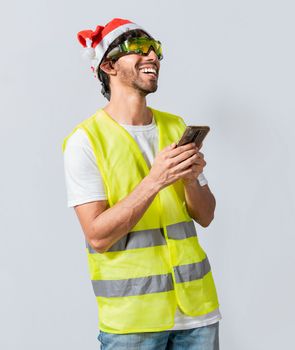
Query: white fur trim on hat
<point x="88" y="51"/>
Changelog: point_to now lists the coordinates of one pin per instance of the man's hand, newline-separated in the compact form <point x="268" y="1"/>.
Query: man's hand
<point x="173" y="163"/>
<point x="196" y="168"/>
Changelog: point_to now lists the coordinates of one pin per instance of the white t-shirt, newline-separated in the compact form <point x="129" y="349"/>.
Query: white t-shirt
<point x="84" y="184"/>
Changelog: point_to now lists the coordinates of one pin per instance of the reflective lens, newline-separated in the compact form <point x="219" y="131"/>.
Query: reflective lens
<point x="140" y="45"/>
<point x="143" y="45"/>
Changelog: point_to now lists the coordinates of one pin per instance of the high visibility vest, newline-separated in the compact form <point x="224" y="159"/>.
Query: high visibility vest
<point x="159" y="264"/>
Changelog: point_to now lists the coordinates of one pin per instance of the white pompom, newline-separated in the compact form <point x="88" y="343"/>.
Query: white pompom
<point x="89" y="52"/>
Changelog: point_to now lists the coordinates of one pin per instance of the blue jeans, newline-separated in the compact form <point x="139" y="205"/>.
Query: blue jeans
<point x="200" y="338"/>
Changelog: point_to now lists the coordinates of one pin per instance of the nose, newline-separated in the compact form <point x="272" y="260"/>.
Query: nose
<point x="152" y="54"/>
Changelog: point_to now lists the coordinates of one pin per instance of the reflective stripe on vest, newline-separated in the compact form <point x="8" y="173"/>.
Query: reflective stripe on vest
<point x="133" y="286"/>
<point x="150" y="284"/>
<point x="151" y="238"/>
<point x="190" y="272"/>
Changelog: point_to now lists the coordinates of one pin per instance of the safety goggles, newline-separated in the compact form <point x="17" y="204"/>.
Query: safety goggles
<point x="140" y="45"/>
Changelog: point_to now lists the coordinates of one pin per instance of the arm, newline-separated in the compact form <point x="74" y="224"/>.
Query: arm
<point x="200" y="202"/>
<point x="103" y="227"/>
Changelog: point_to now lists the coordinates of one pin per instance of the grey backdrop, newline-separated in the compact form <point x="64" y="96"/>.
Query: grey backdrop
<point x="228" y="64"/>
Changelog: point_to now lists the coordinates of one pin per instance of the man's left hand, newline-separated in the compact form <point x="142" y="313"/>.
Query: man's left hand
<point x="196" y="168"/>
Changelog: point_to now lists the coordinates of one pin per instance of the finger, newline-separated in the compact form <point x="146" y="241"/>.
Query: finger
<point x="182" y="157"/>
<point x="197" y="169"/>
<point x="200" y="155"/>
<point x="180" y="149"/>
<point x="186" y="163"/>
<point x="171" y="146"/>
<point x="200" y="162"/>
<point x="184" y="173"/>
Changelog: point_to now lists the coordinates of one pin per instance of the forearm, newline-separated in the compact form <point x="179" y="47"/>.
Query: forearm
<point x="200" y="202"/>
<point x="117" y="221"/>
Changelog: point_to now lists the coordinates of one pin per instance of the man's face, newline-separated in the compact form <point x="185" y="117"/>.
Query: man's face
<point x="131" y="72"/>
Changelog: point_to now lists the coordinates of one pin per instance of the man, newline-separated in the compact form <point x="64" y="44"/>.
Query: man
<point x="136" y="195"/>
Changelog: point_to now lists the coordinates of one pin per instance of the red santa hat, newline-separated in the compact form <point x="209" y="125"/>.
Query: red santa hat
<point x="96" y="42"/>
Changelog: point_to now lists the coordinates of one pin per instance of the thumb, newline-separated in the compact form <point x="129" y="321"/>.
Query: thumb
<point x="169" y="147"/>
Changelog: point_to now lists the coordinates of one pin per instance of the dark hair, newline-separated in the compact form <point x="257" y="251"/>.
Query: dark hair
<point x="101" y="75"/>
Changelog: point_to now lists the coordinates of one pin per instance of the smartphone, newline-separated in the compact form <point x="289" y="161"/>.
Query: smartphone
<point x="194" y="134"/>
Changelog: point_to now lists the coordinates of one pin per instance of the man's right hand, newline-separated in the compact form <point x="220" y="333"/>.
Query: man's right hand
<point x="172" y="163"/>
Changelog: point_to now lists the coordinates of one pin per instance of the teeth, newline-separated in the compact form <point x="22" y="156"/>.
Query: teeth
<point x="149" y="70"/>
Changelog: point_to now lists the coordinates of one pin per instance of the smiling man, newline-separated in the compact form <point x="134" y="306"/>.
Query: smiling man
<point x="137" y="195"/>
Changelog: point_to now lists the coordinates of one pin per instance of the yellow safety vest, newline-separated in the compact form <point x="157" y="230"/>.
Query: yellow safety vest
<point x="159" y="264"/>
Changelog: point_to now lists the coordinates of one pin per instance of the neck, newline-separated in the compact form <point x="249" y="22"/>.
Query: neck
<point x="128" y="107"/>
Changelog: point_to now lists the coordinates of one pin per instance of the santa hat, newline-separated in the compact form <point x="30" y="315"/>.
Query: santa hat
<point x="97" y="42"/>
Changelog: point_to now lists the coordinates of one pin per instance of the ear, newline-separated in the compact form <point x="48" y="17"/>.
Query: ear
<point x="108" y="67"/>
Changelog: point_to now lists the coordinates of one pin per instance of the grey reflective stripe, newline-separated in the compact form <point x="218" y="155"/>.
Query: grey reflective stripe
<point x="136" y="239"/>
<point x="90" y="249"/>
<point x="152" y="237"/>
<point x="190" y="272"/>
<point x="133" y="286"/>
<point x="181" y="230"/>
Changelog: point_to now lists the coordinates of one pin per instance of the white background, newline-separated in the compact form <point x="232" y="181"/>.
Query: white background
<point x="228" y="64"/>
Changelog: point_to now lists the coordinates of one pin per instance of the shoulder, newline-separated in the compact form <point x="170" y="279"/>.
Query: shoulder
<point x="77" y="135"/>
<point x="78" y="155"/>
<point x="77" y="138"/>
<point x="78" y="145"/>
